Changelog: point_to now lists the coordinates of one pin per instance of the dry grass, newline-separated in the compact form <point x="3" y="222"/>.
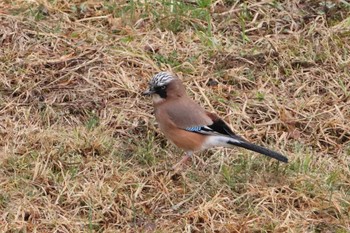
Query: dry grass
<point x="80" y="151"/>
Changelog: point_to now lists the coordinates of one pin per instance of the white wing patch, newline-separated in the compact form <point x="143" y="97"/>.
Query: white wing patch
<point x="218" y="141"/>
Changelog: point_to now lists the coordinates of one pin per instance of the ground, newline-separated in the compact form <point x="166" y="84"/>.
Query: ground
<point x="80" y="150"/>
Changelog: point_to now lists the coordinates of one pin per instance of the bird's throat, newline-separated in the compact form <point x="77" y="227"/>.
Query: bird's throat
<point x="157" y="99"/>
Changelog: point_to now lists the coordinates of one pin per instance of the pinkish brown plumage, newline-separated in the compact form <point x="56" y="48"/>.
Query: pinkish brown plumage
<point x="188" y="125"/>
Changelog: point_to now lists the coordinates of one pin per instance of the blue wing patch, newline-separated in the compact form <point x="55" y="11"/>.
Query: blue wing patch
<point x="201" y="130"/>
<point x="194" y="128"/>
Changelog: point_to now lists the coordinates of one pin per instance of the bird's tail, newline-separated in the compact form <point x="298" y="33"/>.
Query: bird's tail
<point x="259" y="149"/>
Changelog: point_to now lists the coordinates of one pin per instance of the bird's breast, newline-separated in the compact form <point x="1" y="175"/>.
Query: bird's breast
<point x="185" y="140"/>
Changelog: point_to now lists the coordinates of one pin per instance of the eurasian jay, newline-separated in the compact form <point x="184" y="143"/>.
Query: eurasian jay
<point x="188" y="125"/>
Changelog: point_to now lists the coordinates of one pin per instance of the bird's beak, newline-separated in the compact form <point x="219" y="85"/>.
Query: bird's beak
<point x="148" y="92"/>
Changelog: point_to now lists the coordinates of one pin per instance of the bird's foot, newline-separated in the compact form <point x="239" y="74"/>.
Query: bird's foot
<point x="200" y="163"/>
<point x="179" y="166"/>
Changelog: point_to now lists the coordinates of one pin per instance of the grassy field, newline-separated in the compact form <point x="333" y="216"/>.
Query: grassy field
<point x="80" y="150"/>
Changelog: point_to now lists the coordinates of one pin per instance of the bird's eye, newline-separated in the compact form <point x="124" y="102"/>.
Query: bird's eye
<point x="162" y="87"/>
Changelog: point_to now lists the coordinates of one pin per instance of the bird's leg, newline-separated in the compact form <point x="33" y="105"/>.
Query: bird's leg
<point x="184" y="159"/>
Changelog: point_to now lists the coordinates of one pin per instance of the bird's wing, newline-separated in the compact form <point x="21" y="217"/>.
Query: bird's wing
<point x="186" y="113"/>
<point x="217" y="127"/>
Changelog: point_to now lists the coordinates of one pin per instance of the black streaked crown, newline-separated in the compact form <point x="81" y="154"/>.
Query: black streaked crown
<point x="161" y="79"/>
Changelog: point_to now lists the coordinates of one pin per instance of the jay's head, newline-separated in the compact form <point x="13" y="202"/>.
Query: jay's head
<point x="165" y="85"/>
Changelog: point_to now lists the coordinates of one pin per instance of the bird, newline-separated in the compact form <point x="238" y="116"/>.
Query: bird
<point x="189" y="126"/>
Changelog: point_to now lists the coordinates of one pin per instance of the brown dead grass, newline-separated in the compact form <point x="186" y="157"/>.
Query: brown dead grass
<point x="80" y="151"/>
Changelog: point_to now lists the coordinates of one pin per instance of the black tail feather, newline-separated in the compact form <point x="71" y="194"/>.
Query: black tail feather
<point x="259" y="149"/>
